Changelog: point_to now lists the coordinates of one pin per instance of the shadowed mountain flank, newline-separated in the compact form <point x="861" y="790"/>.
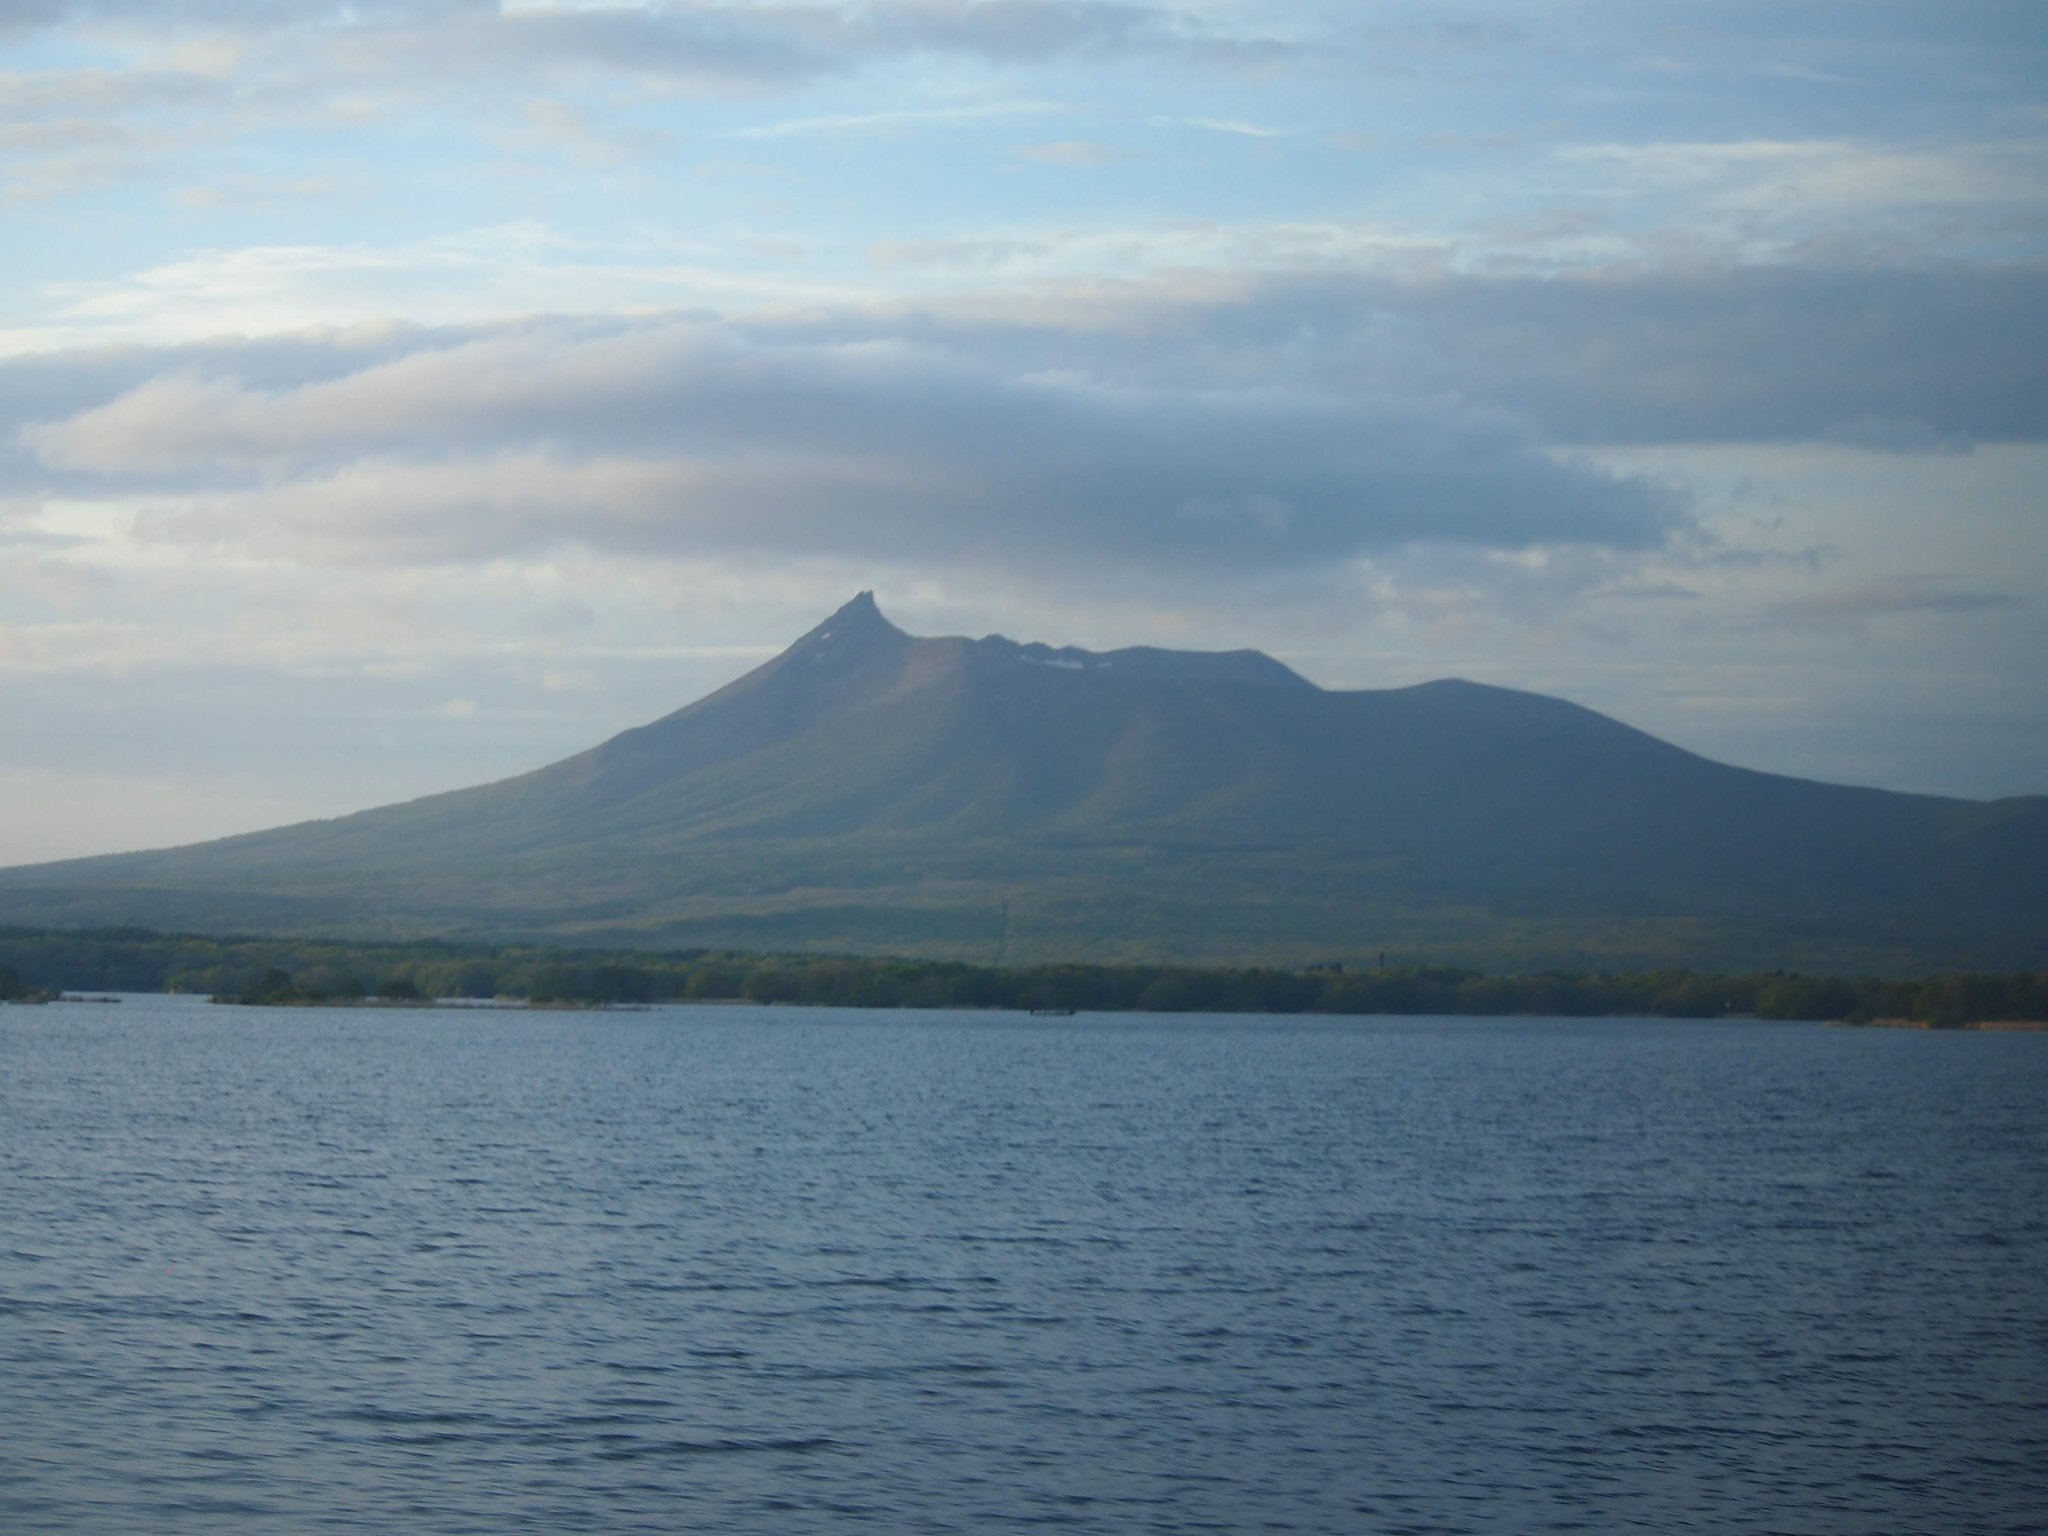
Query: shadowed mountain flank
<point x="870" y="791"/>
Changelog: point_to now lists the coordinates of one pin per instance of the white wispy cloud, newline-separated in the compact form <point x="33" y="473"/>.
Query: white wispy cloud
<point x="896" y="119"/>
<point x="461" y="277"/>
<point x="1775" y="200"/>
<point x="1236" y="127"/>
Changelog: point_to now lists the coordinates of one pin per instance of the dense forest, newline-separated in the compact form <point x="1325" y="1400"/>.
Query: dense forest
<point x="307" y="971"/>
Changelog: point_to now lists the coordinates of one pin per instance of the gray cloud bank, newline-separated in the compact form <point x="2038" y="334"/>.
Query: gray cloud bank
<point x="1883" y="357"/>
<point x="1274" y="424"/>
<point x="699" y="437"/>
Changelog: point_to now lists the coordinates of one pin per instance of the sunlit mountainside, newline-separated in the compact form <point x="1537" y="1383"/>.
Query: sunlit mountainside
<point x="871" y="791"/>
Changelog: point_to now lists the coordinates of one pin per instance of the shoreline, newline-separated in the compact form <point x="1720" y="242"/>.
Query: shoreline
<point x="1999" y="1026"/>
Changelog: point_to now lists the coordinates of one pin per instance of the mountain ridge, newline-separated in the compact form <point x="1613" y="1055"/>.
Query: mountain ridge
<point x="868" y="790"/>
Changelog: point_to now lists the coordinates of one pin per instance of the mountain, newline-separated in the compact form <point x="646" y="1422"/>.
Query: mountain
<point x="982" y="799"/>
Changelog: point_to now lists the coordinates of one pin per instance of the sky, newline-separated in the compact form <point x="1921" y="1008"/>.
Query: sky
<point x="399" y="395"/>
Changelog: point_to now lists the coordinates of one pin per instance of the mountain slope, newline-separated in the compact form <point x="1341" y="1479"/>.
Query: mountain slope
<point x="980" y="798"/>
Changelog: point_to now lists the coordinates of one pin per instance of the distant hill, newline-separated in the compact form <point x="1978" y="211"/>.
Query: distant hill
<point x="868" y="791"/>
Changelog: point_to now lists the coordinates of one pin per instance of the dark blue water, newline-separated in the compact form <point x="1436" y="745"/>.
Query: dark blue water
<point x="781" y="1271"/>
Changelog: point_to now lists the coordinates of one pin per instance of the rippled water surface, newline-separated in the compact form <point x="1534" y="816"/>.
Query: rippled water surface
<point x="759" y="1270"/>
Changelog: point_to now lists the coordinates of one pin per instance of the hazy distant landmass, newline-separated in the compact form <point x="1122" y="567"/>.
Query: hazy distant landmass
<point x="869" y="791"/>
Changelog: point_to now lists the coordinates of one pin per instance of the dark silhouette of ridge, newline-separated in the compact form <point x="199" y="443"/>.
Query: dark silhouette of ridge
<point x="868" y="790"/>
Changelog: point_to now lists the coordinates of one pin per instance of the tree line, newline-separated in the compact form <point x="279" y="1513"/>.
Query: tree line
<point x="309" y="970"/>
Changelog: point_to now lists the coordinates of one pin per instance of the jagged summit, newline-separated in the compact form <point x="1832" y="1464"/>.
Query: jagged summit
<point x="858" y="616"/>
<point x="870" y="790"/>
<point x="859" y="623"/>
<point x="854" y="631"/>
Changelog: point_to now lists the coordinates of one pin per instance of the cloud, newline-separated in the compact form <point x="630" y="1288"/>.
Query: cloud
<point x="242" y="191"/>
<point x="81" y="646"/>
<point x="694" y="44"/>
<point x="25" y="16"/>
<point x="766" y="41"/>
<point x="1189" y="423"/>
<point x="893" y="119"/>
<point x="476" y="275"/>
<point x="1828" y="174"/>
<point x="1235" y="127"/>
<point x="1747" y="354"/>
<point x="695" y="437"/>
<point x="1904" y="359"/>
<point x="162" y="78"/>
<point x="62" y="132"/>
<point x="1191" y="431"/>
<point x="953" y="255"/>
<point x="1868" y="198"/>
<point x="1848" y="606"/>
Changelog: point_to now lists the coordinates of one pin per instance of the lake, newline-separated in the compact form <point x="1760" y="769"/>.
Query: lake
<point x="779" y="1270"/>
